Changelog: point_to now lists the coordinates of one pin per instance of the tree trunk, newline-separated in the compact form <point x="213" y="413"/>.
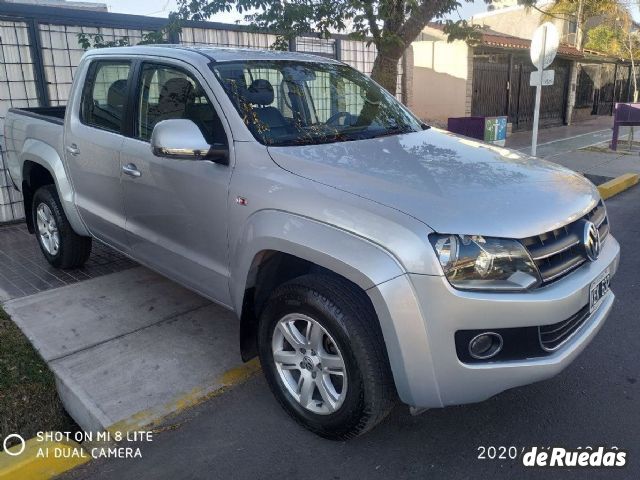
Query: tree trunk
<point x="385" y="69"/>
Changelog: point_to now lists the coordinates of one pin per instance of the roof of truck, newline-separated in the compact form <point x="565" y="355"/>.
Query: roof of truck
<point x="216" y="54"/>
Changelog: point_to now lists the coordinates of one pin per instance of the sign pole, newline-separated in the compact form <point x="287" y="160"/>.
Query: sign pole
<point x="536" y="111"/>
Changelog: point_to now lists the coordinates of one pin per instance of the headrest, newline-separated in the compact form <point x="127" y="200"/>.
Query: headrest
<point x="175" y="92"/>
<point x="233" y="78"/>
<point x="117" y="94"/>
<point x="260" y="92"/>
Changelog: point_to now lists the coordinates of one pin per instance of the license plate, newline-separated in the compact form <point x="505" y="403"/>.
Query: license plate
<point x="598" y="290"/>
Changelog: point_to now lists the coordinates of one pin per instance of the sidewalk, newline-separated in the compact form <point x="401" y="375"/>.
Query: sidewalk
<point x="129" y="348"/>
<point x="583" y="147"/>
<point x="573" y="136"/>
<point x="594" y="161"/>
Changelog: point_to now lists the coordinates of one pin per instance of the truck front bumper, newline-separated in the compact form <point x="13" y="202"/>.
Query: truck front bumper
<point x="420" y="315"/>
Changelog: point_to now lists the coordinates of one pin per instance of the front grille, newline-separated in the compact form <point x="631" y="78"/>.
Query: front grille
<point x="553" y="336"/>
<point x="560" y="251"/>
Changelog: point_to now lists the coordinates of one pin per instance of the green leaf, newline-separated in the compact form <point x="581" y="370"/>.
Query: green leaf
<point x="462" y="30"/>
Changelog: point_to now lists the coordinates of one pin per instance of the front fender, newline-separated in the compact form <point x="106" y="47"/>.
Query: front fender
<point x="355" y="258"/>
<point x="361" y="261"/>
<point x="46" y="156"/>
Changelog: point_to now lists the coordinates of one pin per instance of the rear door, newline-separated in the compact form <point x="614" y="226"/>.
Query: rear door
<point x="177" y="209"/>
<point x="93" y="139"/>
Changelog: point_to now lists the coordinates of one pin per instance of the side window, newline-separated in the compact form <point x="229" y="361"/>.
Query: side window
<point x="170" y="93"/>
<point x="104" y="99"/>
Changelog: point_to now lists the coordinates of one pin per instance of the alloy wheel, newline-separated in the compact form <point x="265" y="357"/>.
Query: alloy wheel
<point x="48" y="229"/>
<point x="309" y="363"/>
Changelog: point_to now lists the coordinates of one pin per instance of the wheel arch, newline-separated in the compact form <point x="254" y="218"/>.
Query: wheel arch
<point x="40" y="157"/>
<point x="277" y="246"/>
<point x="34" y="176"/>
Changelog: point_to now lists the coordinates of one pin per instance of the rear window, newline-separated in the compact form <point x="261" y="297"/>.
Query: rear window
<point x="104" y="99"/>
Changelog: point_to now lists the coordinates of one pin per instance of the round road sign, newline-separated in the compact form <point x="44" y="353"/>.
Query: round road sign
<point x="544" y="45"/>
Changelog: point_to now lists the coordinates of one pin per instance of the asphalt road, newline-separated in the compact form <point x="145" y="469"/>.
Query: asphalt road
<point x="596" y="401"/>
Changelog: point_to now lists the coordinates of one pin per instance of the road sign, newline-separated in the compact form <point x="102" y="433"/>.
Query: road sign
<point x="548" y="77"/>
<point x="544" y="45"/>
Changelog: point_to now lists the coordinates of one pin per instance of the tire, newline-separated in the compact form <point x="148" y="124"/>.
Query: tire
<point x="349" y="404"/>
<point x="70" y="250"/>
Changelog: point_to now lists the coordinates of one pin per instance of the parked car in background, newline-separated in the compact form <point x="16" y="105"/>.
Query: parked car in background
<point x="368" y="257"/>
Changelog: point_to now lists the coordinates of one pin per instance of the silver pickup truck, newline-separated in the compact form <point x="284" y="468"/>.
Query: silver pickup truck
<point x="368" y="257"/>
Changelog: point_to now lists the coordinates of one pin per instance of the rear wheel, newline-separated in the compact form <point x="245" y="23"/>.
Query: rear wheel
<point x="61" y="246"/>
<point x="322" y="352"/>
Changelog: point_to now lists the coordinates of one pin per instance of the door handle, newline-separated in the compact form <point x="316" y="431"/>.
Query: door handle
<point x="131" y="170"/>
<point x="73" y="149"/>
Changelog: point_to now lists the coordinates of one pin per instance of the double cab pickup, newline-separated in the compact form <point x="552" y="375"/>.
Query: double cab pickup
<point x="369" y="258"/>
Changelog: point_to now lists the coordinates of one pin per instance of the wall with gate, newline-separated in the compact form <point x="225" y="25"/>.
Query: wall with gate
<point x="501" y="87"/>
<point x="600" y="86"/>
<point x="39" y="53"/>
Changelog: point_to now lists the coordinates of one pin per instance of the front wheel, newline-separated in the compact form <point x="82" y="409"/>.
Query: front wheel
<point x="324" y="358"/>
<point x="61" y="246"/>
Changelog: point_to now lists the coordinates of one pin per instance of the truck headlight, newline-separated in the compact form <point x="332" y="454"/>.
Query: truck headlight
<point x="473" y="262"/>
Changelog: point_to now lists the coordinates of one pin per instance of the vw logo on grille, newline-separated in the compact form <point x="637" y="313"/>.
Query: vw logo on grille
<point x="591" y="241"/>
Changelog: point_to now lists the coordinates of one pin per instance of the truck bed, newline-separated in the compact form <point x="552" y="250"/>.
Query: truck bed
<point x="39" y="130"/>
<point x="49" y="114"/>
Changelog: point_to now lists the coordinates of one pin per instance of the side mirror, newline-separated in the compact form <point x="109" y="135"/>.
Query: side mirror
<point x="182" y="139"/>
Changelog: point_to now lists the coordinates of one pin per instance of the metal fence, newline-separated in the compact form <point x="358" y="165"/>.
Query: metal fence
<point x="17" y="89"/>
<point x="501" y="87"/>
<point x="225" y="37"/>
<point x="61" y="53"/>
<point x="40" y="52"/>
<point x="601" y="85"/>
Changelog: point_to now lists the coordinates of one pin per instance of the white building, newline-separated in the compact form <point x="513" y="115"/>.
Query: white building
<point x="497" y="4"/>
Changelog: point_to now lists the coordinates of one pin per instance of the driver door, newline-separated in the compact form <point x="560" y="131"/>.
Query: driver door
<point x="176" y="210"/>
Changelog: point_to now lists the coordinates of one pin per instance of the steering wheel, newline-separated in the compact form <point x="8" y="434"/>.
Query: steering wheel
<point x="334" y="120"/>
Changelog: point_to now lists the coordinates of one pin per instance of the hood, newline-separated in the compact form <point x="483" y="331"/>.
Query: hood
<point x="453" y="184"/>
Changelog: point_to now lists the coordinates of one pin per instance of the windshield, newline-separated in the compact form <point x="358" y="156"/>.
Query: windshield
<point x="302" y="103"/>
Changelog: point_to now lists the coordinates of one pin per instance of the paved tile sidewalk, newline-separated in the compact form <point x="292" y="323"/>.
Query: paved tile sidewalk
<point x="24" y="270"/>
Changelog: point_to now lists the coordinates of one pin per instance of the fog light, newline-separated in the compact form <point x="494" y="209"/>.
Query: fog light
<point x="485" y="345"/>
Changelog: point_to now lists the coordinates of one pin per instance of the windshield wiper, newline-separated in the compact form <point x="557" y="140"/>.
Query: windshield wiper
<point x="393" y="131"/>
<point x="344" y="136"/>
<point x="298" y="142"/>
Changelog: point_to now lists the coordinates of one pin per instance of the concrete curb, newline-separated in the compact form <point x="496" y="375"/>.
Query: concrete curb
<point x="618" y="184"/>
<point x="28" y="465"/>
<point x="77" y="402"/>
<point x="154" y="416"/>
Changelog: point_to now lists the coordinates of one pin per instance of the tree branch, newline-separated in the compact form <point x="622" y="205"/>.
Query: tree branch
<point x="419" y="18"/>
<point x="395" y="15"/>
<point x="373" y="24"/>
<point x="553" y="15"/>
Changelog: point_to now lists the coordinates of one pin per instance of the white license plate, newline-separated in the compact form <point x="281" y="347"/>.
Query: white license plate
<point x="598" y="289"/>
